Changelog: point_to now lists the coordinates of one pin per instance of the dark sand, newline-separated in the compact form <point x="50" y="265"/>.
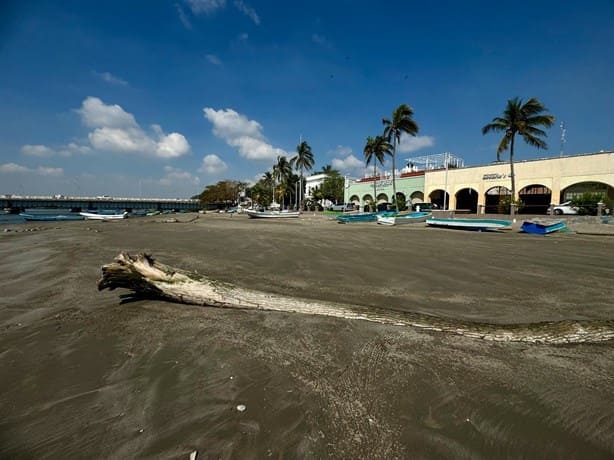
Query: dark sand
<point x="86" y="377"/>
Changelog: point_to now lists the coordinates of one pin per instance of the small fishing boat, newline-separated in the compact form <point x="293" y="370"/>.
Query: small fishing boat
<point x="402" y="219"/>
<point x="542" y="226"/>
<point x="469" y="224"/>
<point x="363" y="216"/>
<point x="97" y="216"/>
<point x="271" y="214"/>
<point x="49" y="217"/>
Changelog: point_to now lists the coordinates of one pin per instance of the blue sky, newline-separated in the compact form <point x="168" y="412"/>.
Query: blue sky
<point x="161" y="98"/>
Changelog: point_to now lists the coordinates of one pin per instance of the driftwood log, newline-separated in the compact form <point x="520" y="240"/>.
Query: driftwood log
<point x="148" y="278"/>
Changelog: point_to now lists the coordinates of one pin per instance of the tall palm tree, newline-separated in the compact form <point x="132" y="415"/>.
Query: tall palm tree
<point x="401" y="122"/>
<point x="328" y="169"/>
<point x="521" y="119"/>
<point x="303" y="161"/>
<point x="282" y="171"/>
<point x="374" y="152"/>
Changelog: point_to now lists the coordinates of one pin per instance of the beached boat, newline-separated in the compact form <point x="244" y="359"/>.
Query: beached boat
<point x="271" y="214"/>
<point x="402" y="219"/>
<point x="363" y="216"/>
<point x="49" y="217"/>
<point x="469" y="224"/>
<point x="542" y="226"/>
<point x="96" y="216"/>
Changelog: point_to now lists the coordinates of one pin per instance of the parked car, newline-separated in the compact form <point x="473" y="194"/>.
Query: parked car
<point x="344" y="207"/>
<point x="424" y="206"/>
<point x="565" y="208"/>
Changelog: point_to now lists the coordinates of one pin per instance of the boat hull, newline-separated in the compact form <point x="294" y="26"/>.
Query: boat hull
<point x="470" y="224"/>
<point x="272" y="214"/>
<point x="94" y="216"/>
<point x="540" y="227"/>
<point x="49" y="218"/>
<point x="404" y="219"/>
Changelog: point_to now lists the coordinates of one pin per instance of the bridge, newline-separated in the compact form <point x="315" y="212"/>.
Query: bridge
<point x="17" y="203"/>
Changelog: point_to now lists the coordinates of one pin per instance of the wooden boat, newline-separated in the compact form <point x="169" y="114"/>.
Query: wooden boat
<point x="271" y="214"/>
<point x="542" y="226"/>
<point x="96" y="216"/>
<point x="402" y="219"/>
<point x="49" y="217"/>
<point x="469" y="224"/>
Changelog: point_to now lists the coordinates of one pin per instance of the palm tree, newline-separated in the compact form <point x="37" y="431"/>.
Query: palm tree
<point x="328" y="170"/>
<point x="522" y="119"/>
<point x="303" y="161"/>
<point x="375" y="151"/>
<point x="281" y="171"/>
<point x="401" y="122"/>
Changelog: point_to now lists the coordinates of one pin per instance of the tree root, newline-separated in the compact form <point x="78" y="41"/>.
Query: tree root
<point x="148" y="278"/>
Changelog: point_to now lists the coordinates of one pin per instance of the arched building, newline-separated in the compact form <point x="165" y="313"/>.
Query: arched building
<point x="539" y="183"/>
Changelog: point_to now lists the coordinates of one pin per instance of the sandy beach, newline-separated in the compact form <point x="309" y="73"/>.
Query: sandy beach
<point x="84" y="376"/>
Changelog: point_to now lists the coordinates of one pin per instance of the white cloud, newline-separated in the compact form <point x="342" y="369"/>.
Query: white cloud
<point x="116" y="130"/>
<point x="64" y="150"/>
<point x="248" y="11"/>
<point x="175" y="176"/>
<point x="110" y="78"/>
<point x="95" y="113"/>
<point x="212" y="164"/>
<point x="341" y="151"/>
<point x="205" y="6"/>
<point x="183" y="17"/>
<point x="73" y="148"/>
<point x="13" y="168"/>
<point x="37" y="150"/>
<point x="347" y="165"/>
<point x="244" y="134"/>
<point x="413" y="143"/>
<point x="213" y="59"/>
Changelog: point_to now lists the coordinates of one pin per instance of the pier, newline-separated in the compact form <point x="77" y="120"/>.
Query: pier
<point x="17" y="203"/>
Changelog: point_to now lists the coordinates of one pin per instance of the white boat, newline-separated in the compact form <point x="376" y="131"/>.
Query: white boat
<point x="271" y="214"/>
<point x="469" y="224"/>
<point x="96" y="216"/>
<point x="402" y="219"/>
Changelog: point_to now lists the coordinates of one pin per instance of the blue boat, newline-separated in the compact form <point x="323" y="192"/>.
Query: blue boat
<point x="49" y="217"/>
<point x="469" y="224"/>
<point x="363" y="217"/>
<point x="542" y="226"/>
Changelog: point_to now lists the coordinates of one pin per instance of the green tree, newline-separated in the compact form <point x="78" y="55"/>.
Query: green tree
<point x="282" y="170"/>
<point x="374" y="152"/>
<point x="332" y="187"/>
<point x="303" y="161"/>
<point x="224" y="193"/>
<point x="524" y="120"/>
<point x="401" y="122"/>
<point x="328" y="169"/>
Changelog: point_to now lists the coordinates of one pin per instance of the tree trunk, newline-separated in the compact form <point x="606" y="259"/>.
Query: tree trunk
<point x="147" y="278"/>
<point x="374" y="184"/>
<point x="512" y="174"/>
<point x="394" y="184"/>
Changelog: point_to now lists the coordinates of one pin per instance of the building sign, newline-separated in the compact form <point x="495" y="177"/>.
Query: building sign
<point x="383" y="183"/>
<point x="495" y="176"/>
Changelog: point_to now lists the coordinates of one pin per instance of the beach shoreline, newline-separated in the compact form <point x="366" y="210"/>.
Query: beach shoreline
<point x="87" y="376"/>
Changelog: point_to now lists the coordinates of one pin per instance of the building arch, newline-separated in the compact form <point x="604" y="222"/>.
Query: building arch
<point x="438" y="197"/>
<point x="579" y="188"/>
<point x="494" y="199"/>
<point x="416" y="197"/>
<point x="536" y="199"/>
<point x="467" y="199"/>
<point x="354" y="199"/>
<point x="382" y="198"/>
